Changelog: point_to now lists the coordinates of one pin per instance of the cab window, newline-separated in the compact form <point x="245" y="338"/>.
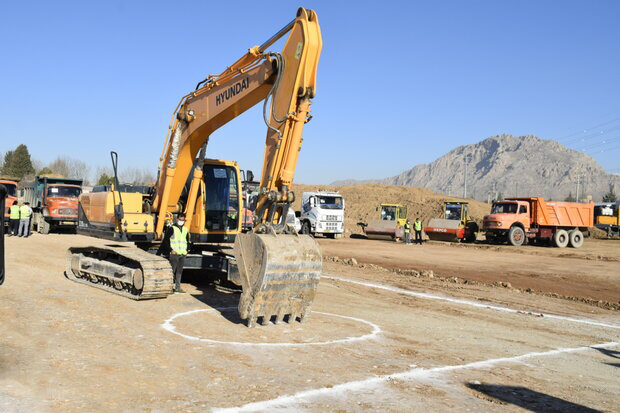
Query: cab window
<point x="522" y="209"/>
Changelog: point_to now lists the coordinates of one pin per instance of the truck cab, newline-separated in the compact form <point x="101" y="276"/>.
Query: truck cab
<point x="11" y="196"/>
<point x="505" y="214"/>
<point x="322" y="212"/>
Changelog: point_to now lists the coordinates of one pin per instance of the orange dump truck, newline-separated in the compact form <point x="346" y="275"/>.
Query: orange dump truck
<point x="11" y="196"/>
<point x="517" y="220"/>
<point x="54" y="202"/>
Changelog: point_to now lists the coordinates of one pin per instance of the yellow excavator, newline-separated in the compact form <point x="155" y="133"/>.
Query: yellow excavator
<point x="278" y="270"/>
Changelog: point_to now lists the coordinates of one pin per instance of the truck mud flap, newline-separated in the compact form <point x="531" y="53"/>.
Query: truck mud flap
<point x="279" y="276"/>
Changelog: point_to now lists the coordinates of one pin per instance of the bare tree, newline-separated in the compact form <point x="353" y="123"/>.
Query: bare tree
<point x="60" y="167"/>
<point x="137" y="176"/>
<point x="70" y="168"/>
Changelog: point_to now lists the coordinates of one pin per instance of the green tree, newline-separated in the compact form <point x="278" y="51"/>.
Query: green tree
<point x="104" y="179"/>
<point x="6" y="161"/>
<point x="17" y="163"/>
<point x="45" y="171"/>
<point x="570" y="197"/>
<point x="610" y="196"/>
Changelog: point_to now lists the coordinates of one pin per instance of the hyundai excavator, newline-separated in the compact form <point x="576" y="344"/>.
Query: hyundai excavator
<point x="278" y="270"/>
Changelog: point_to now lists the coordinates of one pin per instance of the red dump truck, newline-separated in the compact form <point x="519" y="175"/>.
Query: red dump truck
<point x="516" y="220"/>
<point x="54" y="201"/>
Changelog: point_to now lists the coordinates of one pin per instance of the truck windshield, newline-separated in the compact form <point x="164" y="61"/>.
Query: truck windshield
<point x="504" y="208"/>
<point x="11" y="189"/>
<point x="330" y="202"/>
<point x="64" y="191"/>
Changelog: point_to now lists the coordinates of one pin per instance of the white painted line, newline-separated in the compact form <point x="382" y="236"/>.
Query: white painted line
<point x="413" y="374"/>
<point x="169" y="325"/>
<point x="477" y="304"/>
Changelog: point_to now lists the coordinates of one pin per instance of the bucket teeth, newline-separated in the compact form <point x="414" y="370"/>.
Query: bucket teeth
<point x="304" y="317"/>
<point x="265" y="320"/>
<point x="251" y="321"/>
<point x="280" y="317"/>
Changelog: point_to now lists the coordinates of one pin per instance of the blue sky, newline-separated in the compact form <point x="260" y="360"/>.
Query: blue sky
<point x="400" y="83"/>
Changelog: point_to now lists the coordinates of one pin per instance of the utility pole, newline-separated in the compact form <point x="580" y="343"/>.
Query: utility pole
<point x="467" y="160"/>
<point x="578" y="182"/>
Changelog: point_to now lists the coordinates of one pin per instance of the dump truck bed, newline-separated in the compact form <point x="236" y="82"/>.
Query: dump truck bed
<point x="559" y="214"/>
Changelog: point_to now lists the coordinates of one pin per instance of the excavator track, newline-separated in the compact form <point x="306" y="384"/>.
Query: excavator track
<point x="127" y="271"/>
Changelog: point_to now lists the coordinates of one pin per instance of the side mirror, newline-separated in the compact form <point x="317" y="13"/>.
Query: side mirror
<point x="249" y="175"/>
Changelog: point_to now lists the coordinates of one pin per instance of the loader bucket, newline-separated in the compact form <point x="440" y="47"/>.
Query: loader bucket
<point x="279" y="276"/>
<point x="444" y="230"/>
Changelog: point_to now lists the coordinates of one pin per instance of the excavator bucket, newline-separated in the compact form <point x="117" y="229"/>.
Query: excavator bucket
<point x="439" y="229"/>
<point x="279" y="276"/>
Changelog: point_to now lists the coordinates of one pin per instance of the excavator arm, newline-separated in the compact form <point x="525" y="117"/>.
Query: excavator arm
<point x="279" y="272"/>
<point x="277" y="269"/>
<point x="287" y="78"/>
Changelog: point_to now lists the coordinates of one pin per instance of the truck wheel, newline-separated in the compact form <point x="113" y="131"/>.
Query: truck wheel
<point x="516" y="236"/>
<point x="576" y="238"/>
<point x="305" y="228"/>
<point x="560" y="238"/>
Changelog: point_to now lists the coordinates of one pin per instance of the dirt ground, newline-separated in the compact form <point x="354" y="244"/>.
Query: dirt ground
<point x="591" y="272"/>
<point x="377" y="340"/>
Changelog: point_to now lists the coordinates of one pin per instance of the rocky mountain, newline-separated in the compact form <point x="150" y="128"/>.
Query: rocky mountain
<point x="510" y="166"/>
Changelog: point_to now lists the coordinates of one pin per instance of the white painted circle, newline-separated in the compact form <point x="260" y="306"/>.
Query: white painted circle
<point x="169" y="325"/>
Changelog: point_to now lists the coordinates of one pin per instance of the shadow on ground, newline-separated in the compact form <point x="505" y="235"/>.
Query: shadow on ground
<point x="528" y="399"/>
<point x="215" y="292"/>
<point x="610" y="353"/>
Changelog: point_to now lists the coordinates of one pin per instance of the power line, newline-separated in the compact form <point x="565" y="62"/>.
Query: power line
<point x="587" y="129"/>
<point x="605" y="142"/>
<point x="591" y="135"/>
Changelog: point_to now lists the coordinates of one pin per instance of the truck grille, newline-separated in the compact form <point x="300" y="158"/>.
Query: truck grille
<point x="331" y="217"/>
<point x="331" y="226"/>
<point x="67" y="211"/>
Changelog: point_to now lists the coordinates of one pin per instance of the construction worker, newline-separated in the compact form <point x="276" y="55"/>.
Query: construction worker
<point x="417" y="226"/>
<point x="407" y="228"/>
<point x="25" y="212"/>
<point x="179" y="239"/>
<point x="14" y="219"/>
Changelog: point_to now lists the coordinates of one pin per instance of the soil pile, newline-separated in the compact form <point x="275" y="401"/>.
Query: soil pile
<point x="361" y="202"/>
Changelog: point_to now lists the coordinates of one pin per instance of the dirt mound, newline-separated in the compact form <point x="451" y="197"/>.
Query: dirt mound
<point x="362" y="200"/>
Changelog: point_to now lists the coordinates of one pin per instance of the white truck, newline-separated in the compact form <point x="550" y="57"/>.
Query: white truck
<point x="322" y="213"/>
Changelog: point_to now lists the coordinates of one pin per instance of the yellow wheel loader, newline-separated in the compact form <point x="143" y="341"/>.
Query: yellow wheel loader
<point x="277" y="269"/>
<point x="389" y="226"/>
<point x="455" y="225"/>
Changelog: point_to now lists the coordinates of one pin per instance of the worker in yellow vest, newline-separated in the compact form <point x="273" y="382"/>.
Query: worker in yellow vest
<point x="179" y="240"/>
<point x="14" y="219"/>
<point x="407" y="230"/>
<point x="25" y="212"/>
<point x="417" y="226"/>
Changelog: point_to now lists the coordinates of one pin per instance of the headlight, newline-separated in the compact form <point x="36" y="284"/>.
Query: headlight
<point x="54" y="211"/>
<point x="499" y="224"/>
